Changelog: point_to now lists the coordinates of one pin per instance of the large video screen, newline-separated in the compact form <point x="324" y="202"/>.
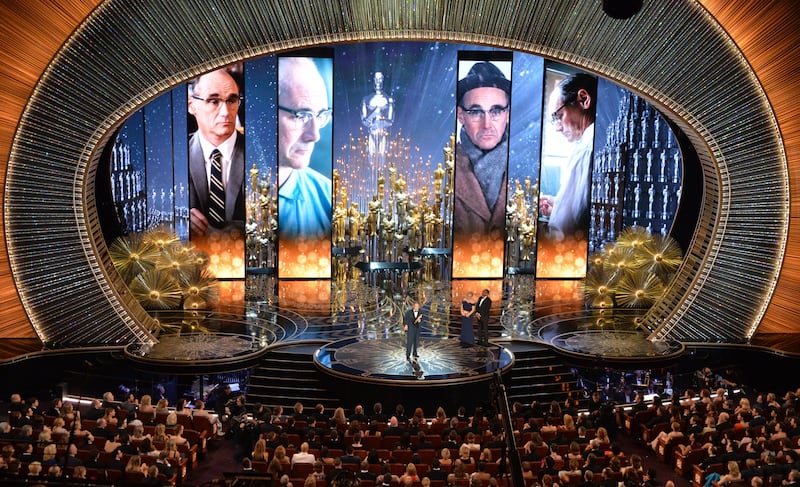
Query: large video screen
<point x="501" y="161"/>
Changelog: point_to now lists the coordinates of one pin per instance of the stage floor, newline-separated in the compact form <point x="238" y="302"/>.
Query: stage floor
<point x="441" y="360"/>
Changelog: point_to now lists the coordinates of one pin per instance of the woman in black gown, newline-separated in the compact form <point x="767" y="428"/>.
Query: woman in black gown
<point x="467" y="315"/>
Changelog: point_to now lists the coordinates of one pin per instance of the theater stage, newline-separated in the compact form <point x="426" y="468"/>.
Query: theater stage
<point x="441" y="360"/>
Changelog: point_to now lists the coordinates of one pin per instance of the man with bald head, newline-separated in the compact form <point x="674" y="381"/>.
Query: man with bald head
<point x="216" y="153"/>
<point x="304" y="205"/>
<point x="572" y="106"/>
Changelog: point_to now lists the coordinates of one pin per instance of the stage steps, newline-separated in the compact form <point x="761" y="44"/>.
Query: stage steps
<point x="288" y="374"/>
<point x="539" y="374"/>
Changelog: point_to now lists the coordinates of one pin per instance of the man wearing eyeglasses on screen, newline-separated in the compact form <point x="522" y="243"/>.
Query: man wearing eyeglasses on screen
<point x="216" y="155"/>
<point x="482" y="153"/>
<point x="304" y="195"/>
<point x="572" y="113"/>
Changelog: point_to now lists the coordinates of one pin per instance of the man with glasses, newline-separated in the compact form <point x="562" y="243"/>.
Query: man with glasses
<point x="216" y="155"/>
<point x="482" y="152"/>
<point x="572" y="112"/>
<point x="304" y="195"/>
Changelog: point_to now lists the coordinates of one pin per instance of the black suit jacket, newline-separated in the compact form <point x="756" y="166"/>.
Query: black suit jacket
<point x="409" y="320"/>
<point x="484" y="307"/>
<point x="198" y="182"/>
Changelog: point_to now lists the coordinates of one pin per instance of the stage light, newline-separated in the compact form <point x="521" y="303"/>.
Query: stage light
<point x="622" y="9"/>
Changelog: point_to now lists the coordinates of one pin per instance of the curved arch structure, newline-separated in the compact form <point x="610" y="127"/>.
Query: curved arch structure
<point x="126" y="53"/>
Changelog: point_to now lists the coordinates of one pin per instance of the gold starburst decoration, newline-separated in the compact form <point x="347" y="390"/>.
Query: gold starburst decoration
<point x="160" y="238"/>
<point x="597" y="260"/>
<point x="639" y="289"/>
<point x="156" y="290"/>
<point x="199" y="289"/>
<point x="132" y="255"/>
<point x="599" y="288"/>
<point x="661" y="256"/>
<point x="620" y="262"/>
<point x="175" y="260"/>
<point x="633" y="237"/>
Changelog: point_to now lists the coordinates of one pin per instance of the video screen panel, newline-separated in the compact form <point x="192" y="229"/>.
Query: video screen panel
<point x="360" y="149"/>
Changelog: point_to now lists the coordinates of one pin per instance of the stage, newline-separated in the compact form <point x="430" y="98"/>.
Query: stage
<point x="441" y="361"/>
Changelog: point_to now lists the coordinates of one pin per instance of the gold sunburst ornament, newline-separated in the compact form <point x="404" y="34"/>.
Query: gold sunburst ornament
<point x="175" y="260"/>
<point x="661" y="256"/>
<point x="633" y="237"/>
<point x="639" y="289"/>
<point x="132" y="255"/>
<point x="156" y="290"/>
<point x="199" y="289"/>
<point x="599" y="288"/>
<point x="160" y="238"/>
<point x="620" y="262"/>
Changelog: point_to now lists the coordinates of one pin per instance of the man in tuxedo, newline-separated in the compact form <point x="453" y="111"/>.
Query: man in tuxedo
<point x="214" y="101"/>
<point x="412" y="322"/>
<point x="483" y="307"/>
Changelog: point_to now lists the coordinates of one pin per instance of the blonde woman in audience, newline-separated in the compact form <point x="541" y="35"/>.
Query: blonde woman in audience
<point x="733" y="475"/>
<point x="138" y="434"/>
<point x="260" y="453"/>
<point x="486" y="456"/>
<point x="135" y="465"/>
<point x="339" y="417"/>
<point x="310" y="481"/>
<point x="444" y="459"/>
<point x="34" y="469"/>
<point x="79" y="472"/>
<point x="602" y="436"/>
<point x="68" y="413"/>
<point x="45" y="437"/>
<point x="441" y="416"/>
<point x="178" y="436"/>
<point x="711" y="425"/>
<point x="146" y="410"/>
<point x="667" y="437"/>
<point x="410" y="475"/>
<point x="58" y="428"/>
<point x="162" y="406"/>
<point x="464" y="454"/>
<point x="160" y="433"/>
<point x="744" y="408"/>
<point x="568" y="423"/>
<point x="49" y="455"/>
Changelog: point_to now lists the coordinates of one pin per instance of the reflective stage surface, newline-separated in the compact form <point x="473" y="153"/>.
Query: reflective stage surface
<point x="440" y="360"/>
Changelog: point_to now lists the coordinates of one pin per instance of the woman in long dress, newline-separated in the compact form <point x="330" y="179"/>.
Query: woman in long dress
<point x="467" y="315"/>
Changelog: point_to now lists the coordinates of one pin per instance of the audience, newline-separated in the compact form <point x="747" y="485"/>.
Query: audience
<point x="746" y="439"/>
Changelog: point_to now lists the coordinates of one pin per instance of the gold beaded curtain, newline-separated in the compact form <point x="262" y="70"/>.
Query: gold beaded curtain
<point x="34" y="31"/>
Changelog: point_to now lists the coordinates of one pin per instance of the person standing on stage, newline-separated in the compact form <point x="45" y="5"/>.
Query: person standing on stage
<point x="412" y="321"/>
<point x="482" y="312"/>
<point x="467" y="319"/>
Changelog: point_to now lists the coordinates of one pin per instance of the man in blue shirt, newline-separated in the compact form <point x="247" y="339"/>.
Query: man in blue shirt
<point x="304" y="205"/>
